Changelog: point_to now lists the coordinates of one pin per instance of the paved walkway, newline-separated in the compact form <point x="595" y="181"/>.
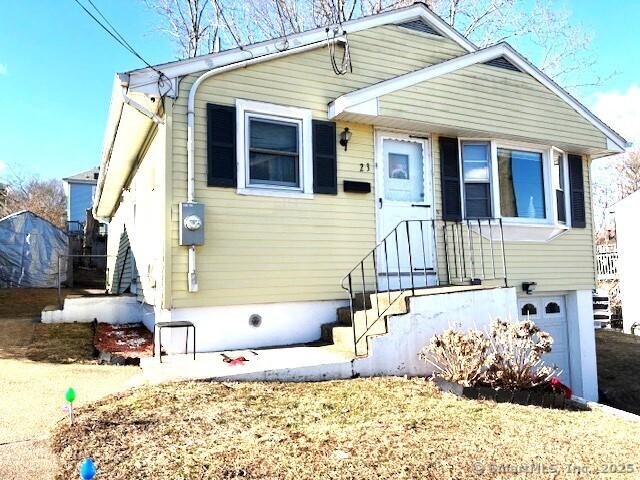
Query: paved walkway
<point x="34" y="376"/>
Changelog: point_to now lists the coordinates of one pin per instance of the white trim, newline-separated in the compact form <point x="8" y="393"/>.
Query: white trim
<point x="546" y="183"/>
<point x="148" y="77"/>
<point x="566" y="188"/>
<point x="301" y="116"/>
<point x="345" y="102"/>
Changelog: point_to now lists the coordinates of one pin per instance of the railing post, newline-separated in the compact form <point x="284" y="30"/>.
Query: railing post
<point x="375" y="272"/>
<point x="424" y="256"/>
<point x="398" y="258"/>
<point x="413" y="287"/>
<point x="472" y="252"/>
<point x="386" y="262"/>
<point x="434" y="253"/>
<point x="493" y="258"/>
<point x="353" y="318"/>
<point x="481" y="249"/>
<point x="445" y="238"/>
<point x="364" y="296"/>
<point x="464" y="256"/>
<point x="504" y="255"/>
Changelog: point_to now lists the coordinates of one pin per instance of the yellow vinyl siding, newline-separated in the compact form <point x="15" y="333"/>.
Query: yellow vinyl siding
<point x="564" y="263"/>
<point x="265" y="249"/>
<point x="497" y="102"/>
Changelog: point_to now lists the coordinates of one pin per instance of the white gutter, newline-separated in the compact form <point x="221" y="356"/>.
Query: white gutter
<point x="192" y="278"/>
<point x="124" y="85"/>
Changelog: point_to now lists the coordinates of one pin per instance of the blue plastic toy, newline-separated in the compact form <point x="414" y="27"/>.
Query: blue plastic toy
<point x="87" y="469"/>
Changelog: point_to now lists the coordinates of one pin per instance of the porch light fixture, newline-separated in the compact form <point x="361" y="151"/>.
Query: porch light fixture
<point x="345" y="136"/>
<point x="529" y="287"/>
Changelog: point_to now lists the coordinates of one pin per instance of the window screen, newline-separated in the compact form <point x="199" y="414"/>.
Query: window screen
<point x="274" y="153"/>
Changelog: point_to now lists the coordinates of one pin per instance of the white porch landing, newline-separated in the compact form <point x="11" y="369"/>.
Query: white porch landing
<point x="392" y="349"/>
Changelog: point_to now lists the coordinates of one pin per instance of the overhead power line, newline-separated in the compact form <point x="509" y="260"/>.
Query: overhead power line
<point x="118" y="37"/>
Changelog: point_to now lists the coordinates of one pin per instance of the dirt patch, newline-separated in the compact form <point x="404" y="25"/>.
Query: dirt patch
<point x="364" y="428"/>
<point x="124" y="341"/>
<point x="619" y="369"/>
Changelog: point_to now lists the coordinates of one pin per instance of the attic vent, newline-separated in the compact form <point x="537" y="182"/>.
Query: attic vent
<point x="502" y="62"/>
<point x="420" y="26"/>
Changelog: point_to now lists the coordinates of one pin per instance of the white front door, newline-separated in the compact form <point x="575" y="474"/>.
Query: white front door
<point x="404" y="192"/>
<point x="550" y="315"/>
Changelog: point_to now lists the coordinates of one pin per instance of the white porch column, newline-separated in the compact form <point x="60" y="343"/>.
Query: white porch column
<point x="582" y="344"/>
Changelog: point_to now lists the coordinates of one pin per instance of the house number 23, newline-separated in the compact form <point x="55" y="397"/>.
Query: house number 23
<point x="365" y="167"/>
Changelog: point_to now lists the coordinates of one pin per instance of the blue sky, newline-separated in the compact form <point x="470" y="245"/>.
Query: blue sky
<point x="57" y="67"/>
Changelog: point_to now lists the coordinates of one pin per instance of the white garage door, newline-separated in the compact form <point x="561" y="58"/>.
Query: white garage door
<point x="550" y="315"/>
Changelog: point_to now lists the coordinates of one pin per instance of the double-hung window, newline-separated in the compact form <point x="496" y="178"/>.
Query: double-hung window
<point x="476" y="173"/>
<point x="559" y="184"/>
<point x="273" y="152"/>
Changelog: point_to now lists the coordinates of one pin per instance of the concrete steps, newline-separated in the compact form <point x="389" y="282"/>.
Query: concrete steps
<point x="371" y="312"/>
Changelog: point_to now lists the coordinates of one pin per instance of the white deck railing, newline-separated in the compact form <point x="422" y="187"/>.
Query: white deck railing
<point x="607" y="265"/>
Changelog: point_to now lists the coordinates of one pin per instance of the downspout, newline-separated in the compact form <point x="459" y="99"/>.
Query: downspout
<point x="192" y="277"/>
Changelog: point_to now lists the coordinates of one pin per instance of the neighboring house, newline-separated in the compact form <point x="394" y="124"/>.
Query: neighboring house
<point x="628" y="260"/>
<point x="80" y="189"/>
<point x="241" y="199"/>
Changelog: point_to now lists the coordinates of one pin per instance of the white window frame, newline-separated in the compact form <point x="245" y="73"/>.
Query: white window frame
<point x="247" y="109"/>
<point x="565" y="186"/>
<point x="549" y="198"/>
<point x="492" y="189"/>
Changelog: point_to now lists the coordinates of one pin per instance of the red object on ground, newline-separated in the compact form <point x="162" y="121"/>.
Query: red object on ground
<point x="558" y="385"/>
<point x="233" y="361"/>
<point x="133" y="340"/>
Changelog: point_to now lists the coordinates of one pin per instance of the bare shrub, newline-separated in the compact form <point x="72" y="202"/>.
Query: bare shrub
<point x="457" y="356"/>
<point x="515" y="358"/>
<point x="509" y="355"/>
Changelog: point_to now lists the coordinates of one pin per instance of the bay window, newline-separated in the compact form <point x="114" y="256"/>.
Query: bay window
<point x="521" y="184"/>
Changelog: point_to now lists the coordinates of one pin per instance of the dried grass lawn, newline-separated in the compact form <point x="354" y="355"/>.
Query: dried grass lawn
<point x="38" y="363"/>
<point x="19" y="302"/>
<point x="364" y="429"/>
<point x="619" y="369"/>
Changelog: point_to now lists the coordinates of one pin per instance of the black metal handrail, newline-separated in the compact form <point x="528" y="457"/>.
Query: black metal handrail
<point x="470" y="254"/>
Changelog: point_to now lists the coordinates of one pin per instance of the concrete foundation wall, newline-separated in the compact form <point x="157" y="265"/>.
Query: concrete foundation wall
<point x="396" y="353"/>
<point x="228" y="328"/>
<point x="107" y="309"/>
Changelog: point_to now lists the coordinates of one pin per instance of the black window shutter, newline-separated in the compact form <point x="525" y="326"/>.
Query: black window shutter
<point x="450" y="173"/>
<point x="325" y="157"/>
<point x="576" y="186"/>
<point x="221" y="146"/>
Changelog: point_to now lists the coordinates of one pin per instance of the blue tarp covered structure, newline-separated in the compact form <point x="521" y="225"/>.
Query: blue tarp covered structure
<point x="29" y="251"/>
